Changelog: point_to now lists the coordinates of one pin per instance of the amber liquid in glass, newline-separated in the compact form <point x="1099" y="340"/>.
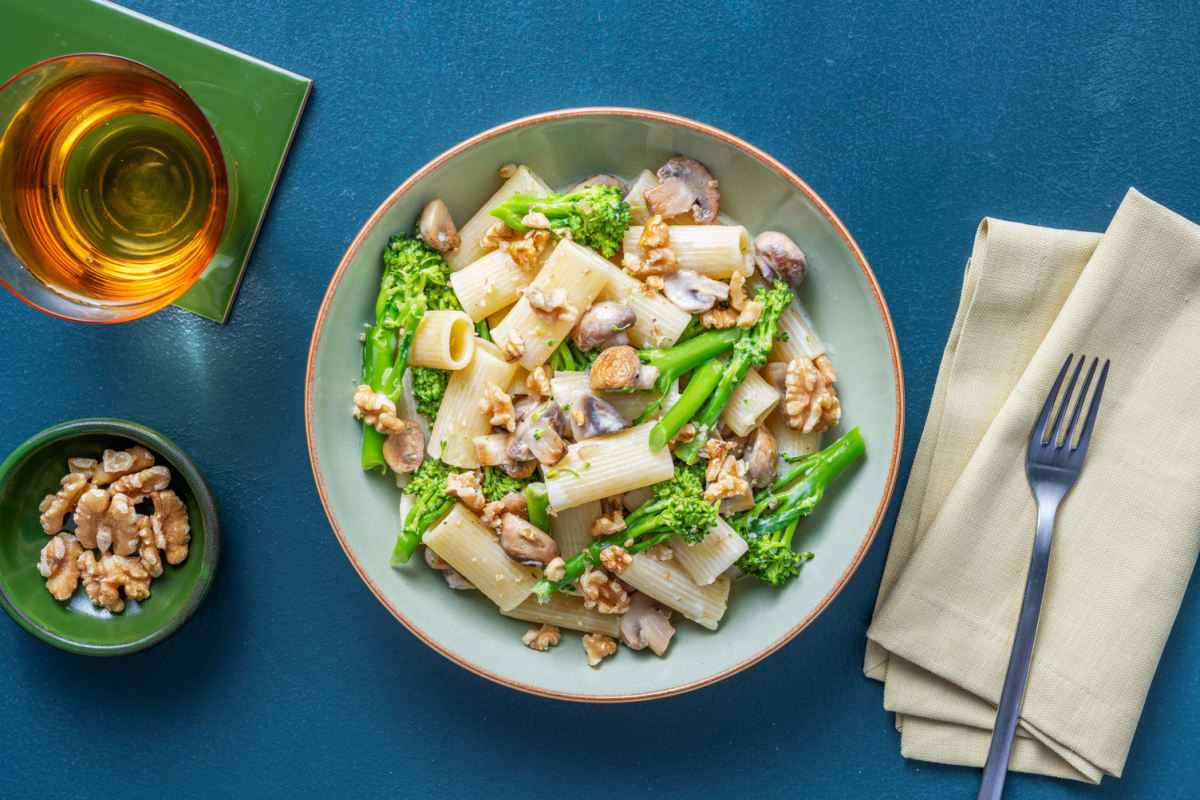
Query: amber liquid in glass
<point x="117" y="191"/>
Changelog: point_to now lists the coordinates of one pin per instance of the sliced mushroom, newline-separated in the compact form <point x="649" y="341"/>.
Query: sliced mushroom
<point x="693" y="292"/>
<point x="591" y="416"/>
<point x="548" y="447"/>
<point x="686" y="185"/>
<point x="434" y="560"/>
<point x="600" y="323"/>
<point x="646" y="625"/>
<point x="492" y="451"/>
<point x="740" y="502"/>
<point x="524" y="542"/>
<point x="778" y="258"/>
<point x="436" y="228"/>
<point x="600" y="179"/>
<point x="620" y="368"/>
<point x="775" y="373"/>
<point x="404" y="451"/>
<point x="761" y="457"/>
<point x="539" y="431"/>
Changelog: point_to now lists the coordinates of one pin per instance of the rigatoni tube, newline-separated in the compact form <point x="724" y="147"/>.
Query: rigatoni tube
<point x="670" y="584"/>
<point x="459" y="420"/>
<point x="444" y="340"/>
<point x="750" y="404"/>
<point x="472" y="549"/>
<point x="524" y="181"/>
<point x="708" y="558"/>
<point x="717" y="251"/>
<point x="566" y="611"/>
<point x="607" y="465"/>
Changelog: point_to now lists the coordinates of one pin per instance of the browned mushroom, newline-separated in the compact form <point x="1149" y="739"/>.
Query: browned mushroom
<point x="524" y="542"/>
<point x="693" y="292"/>
<point x="436" y="228"/>
<point x="404" y="451"/>
<point x="778" y="258"/>
<point x="601" y="179"/>
<point x="493" y="452"/>
<point x="590" y="416"/>
<point x="601" y="323"/>
<point x="646" y="625"/>
<point x="538" y="434"/>
<point x="761" y="457"/>
<point x="686" y="185"/>
<point x="620" y="368"/>
<point x="775" y="373"/>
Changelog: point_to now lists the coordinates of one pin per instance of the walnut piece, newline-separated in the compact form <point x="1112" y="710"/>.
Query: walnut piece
<point x="539" y="381"/>
<point x="493" y="236"/>
<point x="683" y="435"/>
<point x="139" y="484"/>
<point x="810" y="400"/>
<point x="659" y="552"/>
<point x="598" y="647"/>
<point x="512" y="503"/>
<point x="507" y="171"/>
<point x="118" y="529"/>
<point x="497" y="406"/>
<point x="84" y="466"/>
<point x="465" y="486"/>
<point x="551" y="306"/>
<point x="537" y="220"/>
<point x="526" y="252"/>
<point x="556" y="569"/>
<point x="615" y="558"/>
<point x="172" y="531"/>
<point x="514" y="348"/>
<point x="737" y="291"/>
<point x="607" y="523"/>
<point x="659" y="261"/>
<point x="749" y="314"/>
<point x="59" y="565"/>
<point x="719" y="317"/>
<point x="655" y="233"/>
<point x="377" y="409"/>
<point x="89" y="513"/>
<point x="119" y="463"/>
<point x="726" y="481"/>
<point x="54" y="507"/>
<point x="148" y="553"/>
<point x="542" y="638"/>
<point x="104" y="579"/>
<point x="603" y="593"/>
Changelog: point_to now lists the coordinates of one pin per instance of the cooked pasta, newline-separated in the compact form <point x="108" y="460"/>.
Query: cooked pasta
<point x="489" y="284"/>
<point x="459" y="420"/>
<point x="566" y="611"/>
<point x="569" y="386"/>
<point x="444" y="339"/>
<point x="796" y="335"/>
<point x="750" y="404"/>
<point x="717" y="251"/>
<point x="470" y="547"/>
<point x="711" y="556"/>
<point x="572" y="527"/>
<point x="659" y="321"/>
<point x="669" y="584"/>
<point x="636" y="199"/>
<point x="524" y="181"/>
<point x="608" y="465"/>
<point x="790" y="441"/>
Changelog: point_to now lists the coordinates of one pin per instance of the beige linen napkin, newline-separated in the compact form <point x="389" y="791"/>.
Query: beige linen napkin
<point x="1126" y="537"/>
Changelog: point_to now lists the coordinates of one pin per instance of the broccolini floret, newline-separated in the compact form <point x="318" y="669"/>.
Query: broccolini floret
<point x="496" y="484"/>
<point x="596" y="216"/>
<point x="429" y="386"/>
<point x="430" y="501"/>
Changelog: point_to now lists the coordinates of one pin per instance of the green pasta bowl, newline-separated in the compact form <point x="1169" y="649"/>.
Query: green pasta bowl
<point x="847" y="311"/>
<point x="31" y="472"/>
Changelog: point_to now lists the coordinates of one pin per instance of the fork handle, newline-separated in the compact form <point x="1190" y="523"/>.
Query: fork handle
<point x="996" y="768"/>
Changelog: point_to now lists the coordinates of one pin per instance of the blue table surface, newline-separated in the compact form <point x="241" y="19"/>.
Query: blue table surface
<point x="292" y="679"/>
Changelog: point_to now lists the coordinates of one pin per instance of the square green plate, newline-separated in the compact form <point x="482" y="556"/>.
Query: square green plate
<point x="253" y="106"/>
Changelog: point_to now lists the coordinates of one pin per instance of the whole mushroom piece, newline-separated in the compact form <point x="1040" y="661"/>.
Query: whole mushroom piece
<point x="686" y="185"/>
<point x="646" y="625"/>
<point x="778" y="258"/>
<point x="693" y="292"/>
<point x="526" y="543"/>
<point x="538" y="434"/>
<point x="620" y="368"/>
<point x="436" y="228"/>
<point x="405" y="451"/>
<point x="590" y="416"/>
<point x="601" y="323"/>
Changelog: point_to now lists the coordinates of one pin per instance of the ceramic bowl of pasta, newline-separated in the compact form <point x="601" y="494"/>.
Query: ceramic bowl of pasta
<point x="604" y="404"/>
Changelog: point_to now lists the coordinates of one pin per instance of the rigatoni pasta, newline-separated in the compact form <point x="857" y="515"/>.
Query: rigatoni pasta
<point x="717" y="251"/>
<point x="444" y="340"/>
<point x="470" y="547"/>
<point x="710" y="557"/>
<point x="790" y="441"/>
<point x="572" y="527"/>
<point x="490" y="283"/>
<point x="750" y="404"/>
<point x="459" y="420"/>
<point x="636" y="198"/>
<point x="670" y="584"/>
<point x="607" y="465"/>
<point x="659" y="321"/>
<point x="566" y="611"/>
<point x="523" y="181"/>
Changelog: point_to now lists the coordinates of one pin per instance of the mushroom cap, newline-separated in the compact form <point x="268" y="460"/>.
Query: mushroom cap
<point x="761" y="457"/>
<point x="646" y="625"/>
<point x="436" y="227"/>
<point x="592" y="416"/>
<point x="778" y="257"/>
<point x="706" y="197"/>
<point x="601" y="323"/>
<point x="538" y="434"/>
<point x="526" y="543"/>
<point x="615" y="368"/>
<point x="693" y="292"/>
<point x="404" y="451"/>
<point x="600" y="179"/>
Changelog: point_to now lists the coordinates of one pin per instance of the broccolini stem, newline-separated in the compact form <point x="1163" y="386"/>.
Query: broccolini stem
<point x="704" y="381"/>
<point x="378" y="350"/>
<point x="731" y="375"/>
<point x="538" y="503"/>
<point x="682" y="358"/>
<point x="415" y="525"/>
<point x="483" y="331"/>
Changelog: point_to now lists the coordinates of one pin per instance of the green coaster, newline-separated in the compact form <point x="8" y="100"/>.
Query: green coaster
<point x="253" y="106"/>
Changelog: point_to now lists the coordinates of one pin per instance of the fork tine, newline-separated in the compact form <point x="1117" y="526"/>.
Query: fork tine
<point x="1090" y="422"/>
<point x="1069" y="437"/>
<point x="1066" y="400"/>
<point x="1039" y="427"/>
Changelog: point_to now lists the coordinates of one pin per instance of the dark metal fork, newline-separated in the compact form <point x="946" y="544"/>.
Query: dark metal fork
<point x="1052" y="464"/>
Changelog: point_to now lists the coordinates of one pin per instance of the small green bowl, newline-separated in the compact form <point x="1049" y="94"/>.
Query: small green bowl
<point x="30" y="473"/>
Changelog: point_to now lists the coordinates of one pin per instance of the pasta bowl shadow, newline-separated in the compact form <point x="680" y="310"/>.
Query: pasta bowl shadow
<point x="840" y="292"/>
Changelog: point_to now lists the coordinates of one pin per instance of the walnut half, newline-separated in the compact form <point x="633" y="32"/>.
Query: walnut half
<point x="602" y="593"/>
<point x="56" y="506"/>
<point x="59" y="565"/>
<point x="810" y="400"/>
<point x="103" y="580"/>
<point x="598" y="647"/>
<point x="172" y="532"/>
<point x="542" y="638"/>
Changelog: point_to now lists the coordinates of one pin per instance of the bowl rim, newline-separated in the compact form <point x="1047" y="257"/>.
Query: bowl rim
<point x="183" y="465"/>
<point x="670" y="119"/>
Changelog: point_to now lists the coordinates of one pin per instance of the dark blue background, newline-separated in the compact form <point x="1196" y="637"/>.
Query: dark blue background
<point x="912" y="123"/>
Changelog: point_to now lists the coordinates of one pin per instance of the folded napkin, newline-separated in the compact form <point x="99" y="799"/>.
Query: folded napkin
<point x="1126" y="537"/>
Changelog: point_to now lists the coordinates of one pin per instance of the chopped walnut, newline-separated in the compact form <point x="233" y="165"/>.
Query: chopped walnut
<point x="507" y="171"/>
<point x="651" y="286"/>
<point x="171" y="528"/>
<point x="556" y="569"/>
<point x="89" y="513"/>
<point x="683" y="435"/>
<point x="139" y="484"/>
<point x="497" y="406"/>
<point x="749" y="314"/>
<point x="526" y="252"/>
<point x="737" y="291"/>
<point x="118" y="463"/>
<point x="513" y="503"/>
<point x="493" y="236"/>
<point x="632" y="263"/>
<point x="465" y="486"/>
<point x="719" y="317"/>
<point x="538" y="381"/>
<point x="536" y="220"/>
<point x="551" y="306"/>
<point x="615" y="558"/>
<point x="84" y="466"/>
<point x="54" y="507"/>
<point x="377" y="409"/>
<point x="118" y="529"/>
<point x="655" y="233"/>
<point x="660" y="261"/>
<point x="659" y="552"/>
<point x="542" y="638"/>
<point x="104" y="579"/>
<point x="811" y="401"/>
<point x="514" y="348"/>
<point x="148" y="553"/>
<point x="727" y="482"/>
<point x="603" y="593"/>
<point x="598" y="647"/>
<point x="59" y="565"/>
<point x="715" y="450"/>
<point x="610" y="522"/>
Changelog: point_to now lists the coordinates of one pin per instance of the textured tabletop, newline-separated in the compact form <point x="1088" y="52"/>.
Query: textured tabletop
<point x="292" y="679"/>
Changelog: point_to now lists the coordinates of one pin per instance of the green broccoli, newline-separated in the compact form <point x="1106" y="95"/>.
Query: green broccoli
<point x="595" y="216"/>
<point x="769" y="525"/>
<point x="428" y="486"/>
<point x="676" y="507"/>
<point x="429" y="386"/>
<point x="567" y="357"/>
<point x="674" y="362"/>
<point x="496" y="484"/>
<point x="415" y="278"/>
